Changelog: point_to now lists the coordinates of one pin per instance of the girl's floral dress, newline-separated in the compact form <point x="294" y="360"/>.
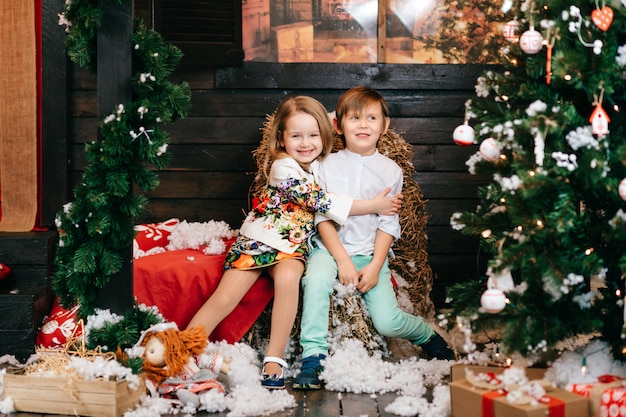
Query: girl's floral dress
<point x="279" y="226"/>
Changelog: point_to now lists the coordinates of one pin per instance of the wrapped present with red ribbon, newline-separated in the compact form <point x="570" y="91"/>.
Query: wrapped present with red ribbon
<point x="607" y="397"/>
<point x="468" y="400"/>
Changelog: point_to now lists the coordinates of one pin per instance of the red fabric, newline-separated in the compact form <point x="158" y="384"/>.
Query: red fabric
<point x="57" y="327"/>
<point x="556" y="407"/>
<point x="488" y="402"/>
<point x="38" y="40"/>
<point x="153" y="235"/>
<point x="179" y="282"/>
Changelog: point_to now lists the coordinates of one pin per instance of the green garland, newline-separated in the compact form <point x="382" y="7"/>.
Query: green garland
<point x="97" y="226"/>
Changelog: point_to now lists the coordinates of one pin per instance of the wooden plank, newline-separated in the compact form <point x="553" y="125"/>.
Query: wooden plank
<point x="54" y="190"/>
<point x="27" y="248"/>
<point x="322" y="403"/>
<point x="439" y="210"/>
<point x="231" y="103"/>
<point x="200" y="210"/>
<point x="448" y="185"/>
<point x="220" y="156"/>
<point x="299" y="396"/>
<point x="402" y="103"/>
<point x="358" y="405"/>
<point x="114" y="56"/>
<point x="19" y="343"/>
<point x="247" y="130"/>
<point x="338" y="76"/>
<point x="225" y="158"/>
<point x="23" y="277"/>
<point x="443" y="239"/>
<point x="441" y="157"/>
<point x="382" y="401"/>
<point x="114" y="69"/>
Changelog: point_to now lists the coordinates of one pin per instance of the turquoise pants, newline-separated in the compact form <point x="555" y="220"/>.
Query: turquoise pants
<point x="388" y="319"/>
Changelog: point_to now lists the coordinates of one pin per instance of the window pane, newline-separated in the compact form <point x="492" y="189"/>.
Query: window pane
<point x="418" y="31"/>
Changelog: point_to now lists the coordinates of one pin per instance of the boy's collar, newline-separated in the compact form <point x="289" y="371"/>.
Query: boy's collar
<point x="359" y="155"/>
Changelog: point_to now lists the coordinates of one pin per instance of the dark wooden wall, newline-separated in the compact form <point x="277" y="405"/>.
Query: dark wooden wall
<point x="212" y="166"/>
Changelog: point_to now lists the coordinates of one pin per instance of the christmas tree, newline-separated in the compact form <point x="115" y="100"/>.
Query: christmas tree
<point x="464" y="31"/>
<point x="552" y="147"/>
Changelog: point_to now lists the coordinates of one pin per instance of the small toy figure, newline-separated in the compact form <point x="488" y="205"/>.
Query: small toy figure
<point x="176" y="366"/>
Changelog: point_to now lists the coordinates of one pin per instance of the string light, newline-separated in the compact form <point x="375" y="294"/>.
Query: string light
<point x="588" y="251"/>
<point x="583" y="368"/>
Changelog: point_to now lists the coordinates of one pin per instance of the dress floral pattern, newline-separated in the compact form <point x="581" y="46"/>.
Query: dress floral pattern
<point x="285" y="214"/>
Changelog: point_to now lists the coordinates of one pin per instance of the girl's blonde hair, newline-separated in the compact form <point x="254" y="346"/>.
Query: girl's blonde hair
<point x="286" y="109"/>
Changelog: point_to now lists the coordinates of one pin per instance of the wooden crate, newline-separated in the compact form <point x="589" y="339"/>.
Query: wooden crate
<point x="62" y="395"/>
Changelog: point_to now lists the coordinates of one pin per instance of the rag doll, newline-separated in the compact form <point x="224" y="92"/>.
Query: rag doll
<point x="176" y="364"/>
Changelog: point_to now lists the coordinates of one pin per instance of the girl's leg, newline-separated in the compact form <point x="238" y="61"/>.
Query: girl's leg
<point x="234" y="284"/>
<point x="286" y="275"/>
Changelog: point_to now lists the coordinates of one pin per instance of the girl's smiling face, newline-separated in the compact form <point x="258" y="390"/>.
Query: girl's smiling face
<point x="362" y="129"/>
<point x="301" y="138"/>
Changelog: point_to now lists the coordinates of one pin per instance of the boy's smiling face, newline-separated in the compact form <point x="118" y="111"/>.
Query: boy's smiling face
<point x="362" y="129"/>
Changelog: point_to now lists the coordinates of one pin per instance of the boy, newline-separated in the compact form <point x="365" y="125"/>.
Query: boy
<point x="356" y="253"/>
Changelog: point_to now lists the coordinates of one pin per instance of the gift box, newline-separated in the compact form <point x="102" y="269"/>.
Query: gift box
<point x="457" y="372"/>
<point x="71" y="395"/>
<point x="469" y="401"/>
<point x="607" y="397"/>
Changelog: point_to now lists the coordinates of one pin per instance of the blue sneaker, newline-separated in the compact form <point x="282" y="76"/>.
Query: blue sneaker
<point x="437" y="348"/>
<point x="311" y="368"/>
<point x="274" y="381"/>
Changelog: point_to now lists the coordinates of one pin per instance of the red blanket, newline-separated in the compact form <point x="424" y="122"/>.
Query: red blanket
<point x="179" y="282"/>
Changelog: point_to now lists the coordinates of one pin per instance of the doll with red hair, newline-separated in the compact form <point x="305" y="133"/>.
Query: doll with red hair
<point x="176" y="364"/>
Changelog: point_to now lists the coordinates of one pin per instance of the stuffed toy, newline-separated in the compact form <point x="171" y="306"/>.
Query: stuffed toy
<point x="176" y="364"/>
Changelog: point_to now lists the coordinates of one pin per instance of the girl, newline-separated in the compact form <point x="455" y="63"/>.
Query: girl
<point x="273" y="237"/>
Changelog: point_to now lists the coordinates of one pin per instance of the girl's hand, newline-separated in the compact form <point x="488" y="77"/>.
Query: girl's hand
<point x="387" y="206"/>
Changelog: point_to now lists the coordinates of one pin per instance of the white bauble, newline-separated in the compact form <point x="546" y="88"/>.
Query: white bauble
<point x="489" y="149"/>
<point x="531" y="41"/>
<point x="511" y="31"/>
<point x="493" y="301"/>
<point x="622" y="189"/>
<point x="463" y="135"/>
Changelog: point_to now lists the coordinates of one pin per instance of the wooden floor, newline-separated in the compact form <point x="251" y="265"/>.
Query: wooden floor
<point x="317" y="403"/>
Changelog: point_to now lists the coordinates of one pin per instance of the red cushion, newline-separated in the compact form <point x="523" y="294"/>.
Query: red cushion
<point x="58" y="326"/>
<point x="153" y="237"/>
<point x="179" y="282"/>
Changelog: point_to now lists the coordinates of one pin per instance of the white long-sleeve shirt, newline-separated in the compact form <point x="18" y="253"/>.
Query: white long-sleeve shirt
<point x="362" y="178"/>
